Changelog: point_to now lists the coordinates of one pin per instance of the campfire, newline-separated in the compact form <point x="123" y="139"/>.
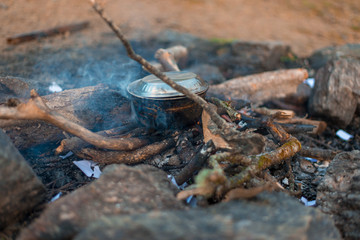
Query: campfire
<point x="173" y="145"/>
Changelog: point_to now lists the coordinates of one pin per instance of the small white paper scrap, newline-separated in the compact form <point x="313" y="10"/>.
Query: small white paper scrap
<point x="191" y="201"/>
<point x="343" y="135"/>
<point x="310" y="82"/>
<point x="307" y="202"/>
<point x="171" y="177"/>
<point x="97" y="172"/>
<point x="173" y="181"/>
<point x="88" y="167"/>
<point x="54" y="87"/>
<point x="57" y="196"/>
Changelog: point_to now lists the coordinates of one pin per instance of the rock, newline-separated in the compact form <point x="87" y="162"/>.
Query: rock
<point x="339" y="193"/>
<point x="257" y="56"/>
<point x="211" y="74"/>
<point x="233" y="57"/>
<point x="121" y="190"/>
<point x="11" y="87"/>
<point x="268" y="216"/>
<point x="336" y="92"/>
<point x="20" y="190"/>
<point x="320" y="57"/>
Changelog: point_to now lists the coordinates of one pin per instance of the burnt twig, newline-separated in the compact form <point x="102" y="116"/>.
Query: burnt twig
<point x="234" y="115"/>
<point x="195" y="163"/>
<point x="318" y="153"/>
<point x="26" y="37"/>
<point x="134" y="157"/>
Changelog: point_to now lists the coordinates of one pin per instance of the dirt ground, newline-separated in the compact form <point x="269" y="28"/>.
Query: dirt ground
<point x="303" y="24"/>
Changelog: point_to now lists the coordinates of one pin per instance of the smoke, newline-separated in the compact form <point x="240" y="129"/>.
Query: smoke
<point x="87" y="66"/>
<point x="118" y="75"/>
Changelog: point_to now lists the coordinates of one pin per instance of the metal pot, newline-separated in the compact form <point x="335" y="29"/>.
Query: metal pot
<point x="157" y="105"/>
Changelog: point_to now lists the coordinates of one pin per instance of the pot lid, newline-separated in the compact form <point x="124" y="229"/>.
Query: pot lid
<point x="153" y="87"/>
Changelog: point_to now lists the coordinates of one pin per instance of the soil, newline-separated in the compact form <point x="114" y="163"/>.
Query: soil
<point x="305" y="25"/>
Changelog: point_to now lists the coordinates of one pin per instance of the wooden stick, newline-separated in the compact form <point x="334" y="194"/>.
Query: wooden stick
<point x="195" y="163"/>
<point x="30" y="36"/>
<point x="134" y="157"/>
<point x="318" y="153"/>
<point x="320" y="126"/>
<point x="171" y="56"/>
<point x="36" y="109"/>
<point x="278" y="113"/>
<point x="75" y="143"/>
<point x="260" y="87"/>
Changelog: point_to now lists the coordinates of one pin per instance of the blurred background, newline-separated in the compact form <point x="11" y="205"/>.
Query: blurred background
<point x="305" y="25"/>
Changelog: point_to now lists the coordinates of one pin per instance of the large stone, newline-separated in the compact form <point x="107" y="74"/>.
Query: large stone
<point x="20" y="190"/>
<point x="211" y="74"/>
<point x="11" y="87"/>
<point x="268" y="216"/>
<point x="336" y="93"/>
<point x="320" y="57"/>
<point x="233" y="57"/>
<point x="339" y="193"/>
<point x="121" y="190"/>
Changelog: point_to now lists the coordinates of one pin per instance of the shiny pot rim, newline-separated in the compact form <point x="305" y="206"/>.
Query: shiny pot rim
<point x="151" y="87"/>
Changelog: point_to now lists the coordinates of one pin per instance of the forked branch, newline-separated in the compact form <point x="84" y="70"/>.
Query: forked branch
<point x="36" y="109"/>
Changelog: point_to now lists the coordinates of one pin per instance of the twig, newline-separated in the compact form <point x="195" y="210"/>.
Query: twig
<point x="277" y="131"/>
<point x="36" y="109"/>
<point x="131" y="53"/>
<point x="320" y="126"/>
<point x="134" y="157"/>
<point x="319" y="154"/>
<point x="309" y="138"/>
<point x="25" y="37"/>
<point x="213" y="182"/>
<point x="75" y="143"/>
<point x="195" y="163"/>
<point x="234" y="115"/>
<point x="284" y="114"/>
<point x="243" y="193"/>
<point x="265" y="160"/>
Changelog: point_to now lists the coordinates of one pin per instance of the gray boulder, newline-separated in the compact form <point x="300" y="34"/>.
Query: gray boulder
<point x="268" y="216"/>
<point x="336" y="93"/>
<point x="339" y="193"/>
<point x="20" y="189"/>
<point x="211" y="74"/>
<point x="121" y="190"/>
<point x="13" y="87"/>
<point x="320" y="57"/>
